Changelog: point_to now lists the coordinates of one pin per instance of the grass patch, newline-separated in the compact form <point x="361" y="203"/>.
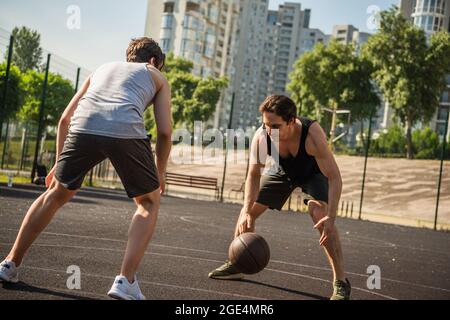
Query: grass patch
<point x="16" y="179"/>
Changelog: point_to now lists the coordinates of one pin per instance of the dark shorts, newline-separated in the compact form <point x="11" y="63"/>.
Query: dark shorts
<point x="277" y="187"/>
<point x="132" y="159"/>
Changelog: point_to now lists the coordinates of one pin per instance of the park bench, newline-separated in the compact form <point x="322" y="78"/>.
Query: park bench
<point x="192" y="182"/>
<point x="237" y="191"/>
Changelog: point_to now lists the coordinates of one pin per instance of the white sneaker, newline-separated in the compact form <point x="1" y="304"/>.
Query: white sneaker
<point x="8" y="272"/>
<point x="124" y="290"/>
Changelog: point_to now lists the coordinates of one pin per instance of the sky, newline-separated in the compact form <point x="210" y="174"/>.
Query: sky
<point x="106" y="26"/>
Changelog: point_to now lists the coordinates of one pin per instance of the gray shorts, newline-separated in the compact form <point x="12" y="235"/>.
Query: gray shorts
<point x="276" y="188"/>
<point x="132" y="159"/>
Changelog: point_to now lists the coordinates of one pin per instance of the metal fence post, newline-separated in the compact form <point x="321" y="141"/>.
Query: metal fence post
<point x="444" y="142"/>
<point x="365" y="167"/>
<point x="226" y="149"/>
<point x="41" y="119"/>
<point x="5" y="88"/>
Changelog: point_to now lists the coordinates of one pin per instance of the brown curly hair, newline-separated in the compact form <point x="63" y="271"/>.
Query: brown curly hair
<point x="143" y="49"/>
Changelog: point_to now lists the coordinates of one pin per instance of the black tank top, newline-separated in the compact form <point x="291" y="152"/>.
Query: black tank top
<point x="302" y="166"/>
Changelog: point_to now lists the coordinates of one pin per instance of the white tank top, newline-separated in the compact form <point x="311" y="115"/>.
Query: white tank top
<point x="113" y="106"/>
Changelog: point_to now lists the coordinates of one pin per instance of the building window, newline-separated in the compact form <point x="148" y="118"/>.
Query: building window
<point x="446" y="96"/>
<point x="165" y="45"/>
<point x="167" y="21"/>
<point x="168" y="7"/>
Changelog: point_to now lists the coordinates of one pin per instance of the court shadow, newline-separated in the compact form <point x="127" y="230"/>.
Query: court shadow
<point x="24" y="287"/>
<point x="86" y="195"/>
<point x="32" y="194"/>
<point x="302" y="293"/>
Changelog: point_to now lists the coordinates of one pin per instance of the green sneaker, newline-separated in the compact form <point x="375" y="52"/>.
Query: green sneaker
<point x="341" y="290"/>
<point x="226" y="272"/>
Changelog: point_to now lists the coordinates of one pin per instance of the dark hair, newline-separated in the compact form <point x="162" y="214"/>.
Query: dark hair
<point x="143" y="49"/>
<point x="280" y="105"/>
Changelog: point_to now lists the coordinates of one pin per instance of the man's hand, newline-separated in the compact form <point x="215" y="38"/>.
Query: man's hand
<point x="246" y="223"/>
<point x="162" y="182"/>
<point x="327" y="226"/>
<point x="50" y="176"/>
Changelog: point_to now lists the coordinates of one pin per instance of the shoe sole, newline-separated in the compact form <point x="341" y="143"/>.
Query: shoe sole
<point x="229" y="277"/>
<point x="13" y="280"/>
<point x="120" y="296"/>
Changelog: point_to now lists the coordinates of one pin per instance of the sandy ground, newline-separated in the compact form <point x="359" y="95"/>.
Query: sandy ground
<point x="398" y="188"/>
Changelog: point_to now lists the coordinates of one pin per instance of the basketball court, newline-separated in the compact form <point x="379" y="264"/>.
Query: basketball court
<point x="192" y="238"/>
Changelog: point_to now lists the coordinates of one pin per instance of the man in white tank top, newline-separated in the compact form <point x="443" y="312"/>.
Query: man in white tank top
<point x="105" y="120"/>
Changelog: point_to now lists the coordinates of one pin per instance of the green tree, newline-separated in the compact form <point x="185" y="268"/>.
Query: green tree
<point x="334" y="77"/>
<point x="27" y="53"/>
<point x="177" y="64"/>
<point x="193" y="98"/>
<point x="409" y="70"/>
<point x="15" y="93"/>
<point x="426" y="144"/>
<point x="59" y="92"/>
<point x="390" y="143"/>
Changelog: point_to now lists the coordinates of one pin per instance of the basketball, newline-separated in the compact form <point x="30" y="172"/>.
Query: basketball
<point x="249" y="253"/>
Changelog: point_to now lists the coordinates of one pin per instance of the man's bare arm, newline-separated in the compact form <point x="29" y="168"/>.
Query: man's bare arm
<point x="63" y="126"/>
<point x="64" y="122"/>
<point x="328" y="166"/>
<point x="163" y="119"/>
<point x="258" y="154"/>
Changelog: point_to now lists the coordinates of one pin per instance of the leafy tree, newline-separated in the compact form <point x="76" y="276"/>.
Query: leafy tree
<point x="177" y="64"/>
<point x="27" y="53"/>
<point x="409" y="70"/>
<point x="59" y="92"/>
<point x="392" y="142"/>
<point x="193" y="98"/>
<point x="15" y="93"/>
<point x="334" y="77"/>
<point x="426" y="144"/>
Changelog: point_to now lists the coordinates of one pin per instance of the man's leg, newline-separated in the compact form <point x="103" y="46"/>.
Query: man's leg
<point x="37" y="218"/>
<point x="140" y="232"/>
<point x="332" y="246"/>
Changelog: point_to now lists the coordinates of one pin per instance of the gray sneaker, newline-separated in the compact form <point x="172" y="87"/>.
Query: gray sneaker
<point x="8" y="272"/>
<point x="226" y="272"/>
<point x="341" y="290"/>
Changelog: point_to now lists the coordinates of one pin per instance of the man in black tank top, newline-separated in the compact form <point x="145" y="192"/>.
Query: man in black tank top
<point x="298" y="151"/>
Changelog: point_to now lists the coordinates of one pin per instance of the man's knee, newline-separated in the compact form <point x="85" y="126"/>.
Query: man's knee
<point x="149" y="200"/>
<point x="60" y="195"/>
<point x="317" y="210"/>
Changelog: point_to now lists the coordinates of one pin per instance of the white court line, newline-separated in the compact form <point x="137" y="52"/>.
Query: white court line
<point x="360" y="275"/>
<point x="378" y="243"/>
<point x="152" y="283"/>
<point x="220" y="253"/>
<point x="209" y="260"/>
<point x="328" y="281"/>
<point x="116" y="240"/>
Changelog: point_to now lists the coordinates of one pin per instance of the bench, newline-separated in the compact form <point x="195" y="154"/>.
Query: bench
<point x="240" y="190"/>
<point x="184" y="180"/>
